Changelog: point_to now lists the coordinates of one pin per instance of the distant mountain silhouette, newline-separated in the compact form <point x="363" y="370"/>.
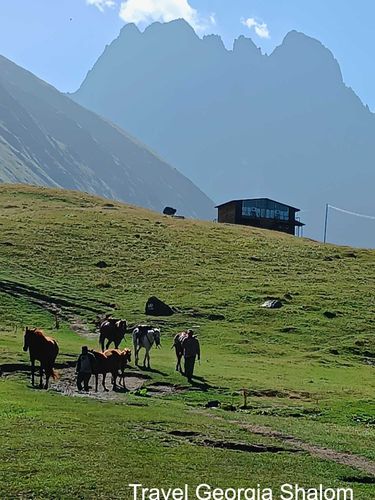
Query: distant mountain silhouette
<point x="47" y="139"/>
<point x="242" y="124"/>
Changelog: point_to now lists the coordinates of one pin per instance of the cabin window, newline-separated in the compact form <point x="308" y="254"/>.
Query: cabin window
<point x="265" y="209"/>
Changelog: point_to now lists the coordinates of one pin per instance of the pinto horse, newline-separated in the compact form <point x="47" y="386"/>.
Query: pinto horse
<point x="112" y="361"/>
<point x="145" y="337"/>
<point x="43" y="349"/>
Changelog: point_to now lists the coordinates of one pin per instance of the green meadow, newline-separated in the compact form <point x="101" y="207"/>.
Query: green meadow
<point x="308" y="368"/>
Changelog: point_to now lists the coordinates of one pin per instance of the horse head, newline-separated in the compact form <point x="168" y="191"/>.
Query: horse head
<point x="26" y="338"/>
<point x="157" y="337"/>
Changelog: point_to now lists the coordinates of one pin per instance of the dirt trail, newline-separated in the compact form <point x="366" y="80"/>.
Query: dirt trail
<point x="348" y="459"/>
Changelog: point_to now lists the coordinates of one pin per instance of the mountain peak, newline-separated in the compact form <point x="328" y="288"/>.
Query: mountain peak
<point x="214" y="41"/>
<point x="246" y="47"/>
<point x="129" y="30"/>
<point x="176" y="28"/>
<point x="304" y="54"/>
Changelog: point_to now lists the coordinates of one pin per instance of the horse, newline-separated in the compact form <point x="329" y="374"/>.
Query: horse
<point x="177" y="345"/>
<point x="43" y="349"/>
<point x="111" y="361"/>
<point x="112" y="330"/>
<point x="144" y="336"/>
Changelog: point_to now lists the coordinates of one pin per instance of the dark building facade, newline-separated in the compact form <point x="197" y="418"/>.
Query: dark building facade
<point x="261" y="212"/>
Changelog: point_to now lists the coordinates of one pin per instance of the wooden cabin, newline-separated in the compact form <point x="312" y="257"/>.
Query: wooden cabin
<point x="261" y="212"/>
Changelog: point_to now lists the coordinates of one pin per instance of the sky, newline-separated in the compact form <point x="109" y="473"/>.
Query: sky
<point x="60" y="40"/>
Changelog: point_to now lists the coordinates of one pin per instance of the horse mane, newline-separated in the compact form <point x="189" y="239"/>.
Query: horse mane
<point x="98" y="354"/>
<point x="37" y="331"/>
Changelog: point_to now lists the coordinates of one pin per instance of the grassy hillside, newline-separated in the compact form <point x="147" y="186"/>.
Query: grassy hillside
<point x="309" y="366"/>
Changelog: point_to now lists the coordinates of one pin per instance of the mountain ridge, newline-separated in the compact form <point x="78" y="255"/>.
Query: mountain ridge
<point x="48" y="139"/>
<point x="240" y="123"/>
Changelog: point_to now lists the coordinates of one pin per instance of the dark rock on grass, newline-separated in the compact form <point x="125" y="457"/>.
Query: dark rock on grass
<point x="288" y="329"/>
<point x="102" y="264"/>
<point x="213" y="404"/>
<point x="156" y="307"/>
<point x="272" y="304"/>
<point x="255" y="259"/>
<point x="330" y="314"/>
<point x="335" y="352"/>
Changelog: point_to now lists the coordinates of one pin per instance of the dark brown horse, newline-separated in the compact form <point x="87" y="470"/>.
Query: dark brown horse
<point x="112" y="361"/>
<point x="112" y="330"/>
<point x="43" y="349"/>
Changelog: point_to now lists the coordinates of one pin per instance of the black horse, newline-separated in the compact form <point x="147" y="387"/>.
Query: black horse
<point x="112" y="330"/>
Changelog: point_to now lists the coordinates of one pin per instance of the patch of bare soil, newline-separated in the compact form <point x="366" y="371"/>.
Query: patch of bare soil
<point x="248" y="448"/>
<point x="164" y="389"/>
<point x="273" y="393"/>
<point x="66" y="385"/>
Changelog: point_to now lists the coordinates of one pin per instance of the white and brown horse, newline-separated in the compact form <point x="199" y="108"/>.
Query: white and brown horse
<point x="145" y="337"/>
<point x="43" y="349"/>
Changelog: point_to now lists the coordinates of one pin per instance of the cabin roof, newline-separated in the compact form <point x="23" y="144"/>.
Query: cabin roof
<point x="257" y="199"/>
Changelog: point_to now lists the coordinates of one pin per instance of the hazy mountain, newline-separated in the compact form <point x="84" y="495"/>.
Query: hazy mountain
<point x="242" y="124"/>
<point x="47" y="139"/>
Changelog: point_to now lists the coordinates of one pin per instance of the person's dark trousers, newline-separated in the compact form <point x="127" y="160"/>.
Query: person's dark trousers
<point x="189" y="367"/>
<point x="85" y="378"/>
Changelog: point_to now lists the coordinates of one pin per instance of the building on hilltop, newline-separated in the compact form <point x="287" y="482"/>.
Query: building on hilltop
<point x="261" y="212"/>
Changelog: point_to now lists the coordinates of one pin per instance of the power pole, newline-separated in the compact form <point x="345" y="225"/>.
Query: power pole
<point x="326" y="223"/>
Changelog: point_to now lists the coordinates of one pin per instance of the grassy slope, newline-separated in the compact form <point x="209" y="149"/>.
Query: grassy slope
<point x="51" y="240"/>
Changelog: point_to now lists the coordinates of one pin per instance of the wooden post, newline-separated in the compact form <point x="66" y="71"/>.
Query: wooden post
<point x="326" y="223"/>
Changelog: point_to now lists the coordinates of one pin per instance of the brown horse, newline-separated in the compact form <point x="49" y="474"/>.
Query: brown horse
<point x="112" y="361"/>
<point x="43" y="349"/>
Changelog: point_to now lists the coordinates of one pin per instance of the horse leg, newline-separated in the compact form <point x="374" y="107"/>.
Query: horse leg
<point x="96" y="381"/>
<point x="32" y="372"/>
<point x="147" y="359"/>
<point x="47" y="380"/>
<point x="114" y="378"/>
<point x="103" y="382"/>
<point x="41" y="376"/>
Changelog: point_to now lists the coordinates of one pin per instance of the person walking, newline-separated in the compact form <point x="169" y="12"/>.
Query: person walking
<point x="191" y="350"/>
<point x="85" y="368"/>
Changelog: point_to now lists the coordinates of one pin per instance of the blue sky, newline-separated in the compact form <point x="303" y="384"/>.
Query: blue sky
<point x="59" y="40"/>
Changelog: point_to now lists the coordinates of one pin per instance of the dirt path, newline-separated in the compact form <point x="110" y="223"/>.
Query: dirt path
<point x="348" y="459"/>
